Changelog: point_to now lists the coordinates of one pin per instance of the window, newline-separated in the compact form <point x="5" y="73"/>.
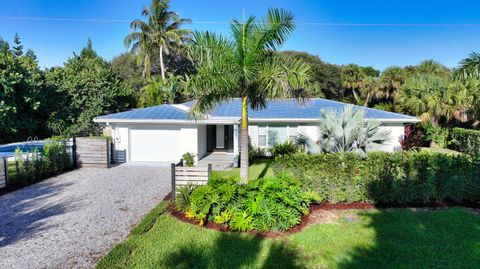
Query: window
<point x="292" y="132"/>
<point x="262" y="136"/>
<point x="277" y="134"/>
<point x="269" y="135"/>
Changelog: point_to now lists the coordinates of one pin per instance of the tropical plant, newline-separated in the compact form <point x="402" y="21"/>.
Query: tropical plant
<point x="353" y="79"/>
<point x="469" y="67"/>
<point x="412" y="138"/>
<point x="432" y="97"/>
<point x="391" y="79"/>
<point x="182" y="199"/>
<point x="285" y="148"/>
<point x="262" y="204"/>
<point x="188" y="159"/>
<point x="161" y="30"/>
<point x="348" y="131"/>
<point x="246" y="66"/>
<point x="163" y="91"/>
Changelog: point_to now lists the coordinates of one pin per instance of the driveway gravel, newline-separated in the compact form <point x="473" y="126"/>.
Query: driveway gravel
<point x="72" y="220"/>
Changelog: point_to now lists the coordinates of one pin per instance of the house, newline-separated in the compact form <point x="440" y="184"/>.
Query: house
<point x="164" y="133"/>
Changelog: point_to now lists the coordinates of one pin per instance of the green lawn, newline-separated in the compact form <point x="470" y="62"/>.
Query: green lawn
<point x="259" y="169"/>
<point x="441" y="150"/>
<point x="352" y="239"/>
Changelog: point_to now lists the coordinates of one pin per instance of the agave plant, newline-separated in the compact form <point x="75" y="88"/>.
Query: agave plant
<point x="348" y="131"/>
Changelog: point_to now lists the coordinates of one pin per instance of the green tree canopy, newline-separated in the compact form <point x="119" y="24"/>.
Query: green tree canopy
<point x="85" y="87"/>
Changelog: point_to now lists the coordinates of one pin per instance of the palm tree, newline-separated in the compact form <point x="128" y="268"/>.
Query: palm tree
<point x="469" y="67"/>
<point x="246" y="66"/>
<point x="353" y="79"/>
<point x="391" y="79"/>
<point x="348" y="131"/>
<point x="432" y="98"/>
<point x="161" y="30"/>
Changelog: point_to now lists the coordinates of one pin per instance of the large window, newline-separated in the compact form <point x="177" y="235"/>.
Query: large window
<point x="271" y="134"/>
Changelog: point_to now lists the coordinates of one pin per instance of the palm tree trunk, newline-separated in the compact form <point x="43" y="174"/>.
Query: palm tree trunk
<point x="244" y="142"/>
<point x="162" y="67"/>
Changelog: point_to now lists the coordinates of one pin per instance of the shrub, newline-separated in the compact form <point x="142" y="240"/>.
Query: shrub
<point x="412" y="139"/>
<point x="188" y="159"/>
<point x="465" y="140"/>
<point x="182" y="199"/>
<point x="435" y="135"/>
<point x="36" y="165"/>
<point x="285" y="148"/>
<point x="263" y="204"/>
<point x="392" y="178"/>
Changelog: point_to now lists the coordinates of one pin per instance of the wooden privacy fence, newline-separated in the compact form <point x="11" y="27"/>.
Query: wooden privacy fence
<point x="3" y="173"/>
<point x="93" y="152"/>
<point x="183" y="175"/>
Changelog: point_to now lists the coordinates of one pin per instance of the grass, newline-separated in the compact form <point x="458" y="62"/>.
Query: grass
<point x="397" y="238"/>
<point x="441" y="150"/>
<point x="259" y="169"/>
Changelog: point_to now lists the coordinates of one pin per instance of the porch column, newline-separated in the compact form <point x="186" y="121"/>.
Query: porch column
<point x="236" y="138"/>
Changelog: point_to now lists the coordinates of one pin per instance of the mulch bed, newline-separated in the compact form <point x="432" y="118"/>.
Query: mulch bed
<point x="324" y="206"/>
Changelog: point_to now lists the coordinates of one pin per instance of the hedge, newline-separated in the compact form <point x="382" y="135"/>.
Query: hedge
<point x="387" y="178"/>
<point x="465" y="140"/>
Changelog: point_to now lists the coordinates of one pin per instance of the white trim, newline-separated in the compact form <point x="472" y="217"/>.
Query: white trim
<point x="236" y="120"/>
<point x="227" y="121"/>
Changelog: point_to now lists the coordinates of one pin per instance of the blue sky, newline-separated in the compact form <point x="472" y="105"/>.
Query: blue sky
<point x="377" y="46"/>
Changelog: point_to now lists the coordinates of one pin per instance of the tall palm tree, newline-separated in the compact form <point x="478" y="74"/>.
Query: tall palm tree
<point x="469" y="67"/>
<point x="391" y="79"/>
<point x="353" y="79"/>
<point x="246" y="66"/>
<point x="160" y="30"/>
<point x="432" y="98"/>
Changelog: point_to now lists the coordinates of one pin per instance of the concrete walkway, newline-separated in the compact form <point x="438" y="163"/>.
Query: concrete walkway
<point x="72" y="220"/>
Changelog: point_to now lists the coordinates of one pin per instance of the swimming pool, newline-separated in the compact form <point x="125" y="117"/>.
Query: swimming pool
<point x="9" y="149"/>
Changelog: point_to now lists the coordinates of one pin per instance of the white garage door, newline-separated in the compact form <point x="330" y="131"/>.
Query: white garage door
<point x="158" y="144"/>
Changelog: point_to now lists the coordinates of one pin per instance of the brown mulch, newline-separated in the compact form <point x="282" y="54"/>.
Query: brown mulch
<point x="324" y="212"/>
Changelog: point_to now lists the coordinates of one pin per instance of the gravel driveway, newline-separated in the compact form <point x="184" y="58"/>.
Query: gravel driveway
<point x="71" y="220"/>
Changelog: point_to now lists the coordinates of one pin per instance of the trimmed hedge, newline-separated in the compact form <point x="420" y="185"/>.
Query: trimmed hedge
<point x="390" y="178"/>
<point x="465" y="140"/>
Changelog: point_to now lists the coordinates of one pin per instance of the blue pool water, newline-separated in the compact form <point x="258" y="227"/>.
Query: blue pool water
<point x="9" y="150"/>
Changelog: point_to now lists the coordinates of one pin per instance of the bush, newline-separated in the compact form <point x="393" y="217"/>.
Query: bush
<point x="435" y="135"/>
<point x="285" y="148"/>
<point x="188" y="159"/>
<point x="36" y="165"/>
<point x="465" y="140"/>
<point x="391" y="178"/>
<point x="263" y="204"/>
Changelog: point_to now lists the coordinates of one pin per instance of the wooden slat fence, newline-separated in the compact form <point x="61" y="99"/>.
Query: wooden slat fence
<point x="3" y="173"/>
<point x="92" y="152"/>
<point x="183" y="175"/>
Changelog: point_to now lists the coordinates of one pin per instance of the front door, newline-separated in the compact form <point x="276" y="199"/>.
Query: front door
<point x="219" y="138"/>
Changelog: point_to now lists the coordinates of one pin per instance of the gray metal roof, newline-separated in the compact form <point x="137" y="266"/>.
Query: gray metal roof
<point x="276" y="109"/>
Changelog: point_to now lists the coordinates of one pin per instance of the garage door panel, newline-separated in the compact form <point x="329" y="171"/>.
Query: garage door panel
<point x="161" y="144"/>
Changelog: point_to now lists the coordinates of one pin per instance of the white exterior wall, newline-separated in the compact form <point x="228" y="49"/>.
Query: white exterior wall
<point x="396" y="134"/>
<point x="311" y="130"/>
<point x="187" y="141"/>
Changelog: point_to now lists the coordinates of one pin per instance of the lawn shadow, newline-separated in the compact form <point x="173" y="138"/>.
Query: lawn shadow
<point x="25" y="212"/>
<point x="265" y="169"/>
<point x="419" y="238"/>
<point x="231" y="250"/>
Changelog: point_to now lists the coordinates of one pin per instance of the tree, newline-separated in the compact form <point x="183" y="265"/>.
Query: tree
<point x="85" y="87"/>
<point x="162" y="30"/>
<point x="326" y="78"/>
<point x="348" y="131"/>
<point x="433" y="98"/>
<point x="18" y="47"/>
<point x="469" y="67"/>
<point x="246" y="66"/>
<point x="391" y="80"/>
<point x="353" y="79"/>
<point x="23" y="104"/>
<point x="158" y="92"/>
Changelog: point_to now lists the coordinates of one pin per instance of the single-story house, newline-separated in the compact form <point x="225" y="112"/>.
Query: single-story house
<point x="164" y="133"/>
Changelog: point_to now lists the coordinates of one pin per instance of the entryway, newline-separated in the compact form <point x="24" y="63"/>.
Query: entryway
<point x="220" y="138"/>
